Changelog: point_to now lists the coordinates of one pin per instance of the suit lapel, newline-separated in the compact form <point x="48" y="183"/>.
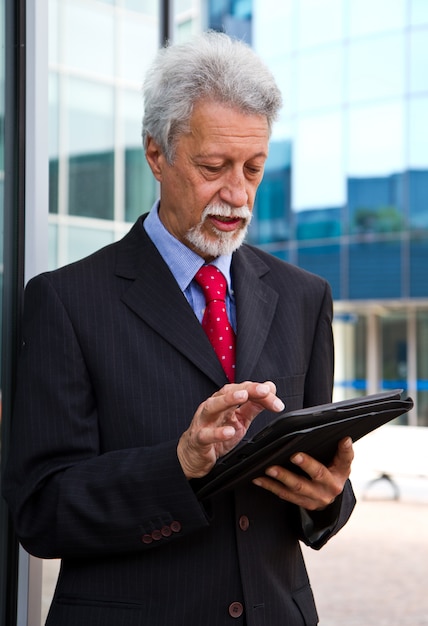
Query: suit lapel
<point x="156" y="298"/>
<point x="167" y="311"/>
<point x="256" y="304"/>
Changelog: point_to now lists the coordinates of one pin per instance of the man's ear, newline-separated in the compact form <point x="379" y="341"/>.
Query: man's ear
<point x="155" y="158"/>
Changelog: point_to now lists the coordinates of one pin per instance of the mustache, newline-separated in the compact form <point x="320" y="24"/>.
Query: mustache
<point x="225" y="210"/>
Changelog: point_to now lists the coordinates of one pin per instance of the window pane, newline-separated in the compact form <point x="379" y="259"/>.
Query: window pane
<point x="366" y="16"/>
<point x="418" y="133"/>
<point x="140" y="186"/>
<point x="91" y="185"/>
<point x="273" y="32"/>
<point x="418" y="202"/>
<point x="317" y="162"/>
<point x="319" y="21"/>
<point x="376" y="139"/>
<point x="135" y="59"/>
<point x="320" y="78"/>
<point x="375" y="204"/>
<point x="418" y="61"/>
<point x="90" y="110"/>
<point x="271" y="220"/>
<point x="148" y="7"/>
<point x="324" y="261"/>
<point x="418" y="266"/>
<point x="418" y="12"/>
<point x="375" y="270"/>
<point x="93" y="49"/>
<point x="376" y="68"/>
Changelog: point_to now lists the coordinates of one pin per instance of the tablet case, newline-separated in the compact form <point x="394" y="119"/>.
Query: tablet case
<point x="315" y="431"/>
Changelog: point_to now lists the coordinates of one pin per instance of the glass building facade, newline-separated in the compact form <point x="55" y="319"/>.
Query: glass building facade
<point x="345" y="191"/>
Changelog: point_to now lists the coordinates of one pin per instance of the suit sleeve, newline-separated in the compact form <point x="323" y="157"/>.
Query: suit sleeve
<point x="318" y="527"/>
<point x="66" y="497"/>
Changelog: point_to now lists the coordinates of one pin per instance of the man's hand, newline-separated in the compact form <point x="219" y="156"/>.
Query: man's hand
<point x="323" y="484"/>
<point x="221" y="422"/>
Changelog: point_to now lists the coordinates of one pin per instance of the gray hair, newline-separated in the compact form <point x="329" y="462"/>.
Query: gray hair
<point x="212" y="66"/>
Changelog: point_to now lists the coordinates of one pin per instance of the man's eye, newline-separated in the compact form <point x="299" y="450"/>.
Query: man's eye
<point x="212" y="169"/>
<point x="254" y="170"/>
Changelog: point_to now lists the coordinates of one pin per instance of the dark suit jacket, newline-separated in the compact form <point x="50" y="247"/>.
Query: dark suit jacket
<point x="114" y="364"/>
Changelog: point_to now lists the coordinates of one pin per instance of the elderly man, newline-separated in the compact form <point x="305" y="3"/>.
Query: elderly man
<point x="128" y="388"/>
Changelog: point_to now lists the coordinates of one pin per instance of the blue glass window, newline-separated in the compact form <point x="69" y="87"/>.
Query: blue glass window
<point x="324" y="261"/>
<point x="375" y="270"/>
<point x="418" y="267"/>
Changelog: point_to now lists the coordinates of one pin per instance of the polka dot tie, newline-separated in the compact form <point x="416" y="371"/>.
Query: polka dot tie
<point x="215" y="321"/>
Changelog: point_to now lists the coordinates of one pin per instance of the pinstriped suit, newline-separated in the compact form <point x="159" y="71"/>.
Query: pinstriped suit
<point x="113" y="366"/>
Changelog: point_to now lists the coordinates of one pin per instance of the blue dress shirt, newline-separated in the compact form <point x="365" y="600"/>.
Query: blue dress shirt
<point x="184" y="263"/>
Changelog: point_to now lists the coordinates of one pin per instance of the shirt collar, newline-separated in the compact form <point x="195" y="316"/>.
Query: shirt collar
<point x="181" y="260"/>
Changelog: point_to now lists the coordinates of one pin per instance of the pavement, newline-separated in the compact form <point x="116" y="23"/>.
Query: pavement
<point x="375" y="571"/>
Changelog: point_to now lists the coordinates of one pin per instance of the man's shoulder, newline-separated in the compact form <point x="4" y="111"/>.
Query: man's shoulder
<point x="104" y="260"/>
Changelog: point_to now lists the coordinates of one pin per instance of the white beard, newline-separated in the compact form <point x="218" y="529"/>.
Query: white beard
<point x="222" y="242"/>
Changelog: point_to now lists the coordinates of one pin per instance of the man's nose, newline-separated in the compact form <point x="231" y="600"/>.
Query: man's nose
<point x="234" y="190"/>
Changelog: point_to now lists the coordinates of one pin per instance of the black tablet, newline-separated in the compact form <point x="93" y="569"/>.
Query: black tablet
<point x="315" y="431"/>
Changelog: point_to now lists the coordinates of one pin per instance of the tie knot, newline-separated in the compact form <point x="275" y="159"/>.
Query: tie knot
<point x="212" y="282"/>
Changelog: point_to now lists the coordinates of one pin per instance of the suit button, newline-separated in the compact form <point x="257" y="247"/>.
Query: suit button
<point x="166" y="531"/>
<point x="156" y="534"/>
<point x="175" y="527"/>
<point x="244" y="522"/>
<point x="147" y="539"/>
<point x="236" y="609"/>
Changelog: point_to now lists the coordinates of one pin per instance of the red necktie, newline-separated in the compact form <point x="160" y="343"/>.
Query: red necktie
<point x="215" y="321"/>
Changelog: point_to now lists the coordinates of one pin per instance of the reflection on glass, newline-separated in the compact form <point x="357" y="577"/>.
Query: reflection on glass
<point x="367" y="17"/>
<point x="140" y="185"/>
<point x="91" y="185"/>
<point x="90" y="110"/>
<point x="418" y="265"/>
<point x="318" y="223"/>
<point x="130" y="122"/>
<point x="375" y="204"/>
<point x="375" y="270"/>
<point x="184" y="30"/>
<point x="324" y="261"/>
<point x="320" y="78"/>
<point x="418" y="12"/>
<point x="376" y="139"/>
<point x="93" y="49"/>
<point x="183" y="5"/>
<point x="83" y="240"/>
<point x="318" y="157"/>
<point x="138" y="39"/>
<point x="148" y="7"/>
<point x="418" y="61"/>
<point x="418" y="132"/>
<point x="319" y="21"/>
<point x="271" y="219"/>
<point x="273" y="32"/>
<point x="418" y="201"/>
<point x="376" y="68"/>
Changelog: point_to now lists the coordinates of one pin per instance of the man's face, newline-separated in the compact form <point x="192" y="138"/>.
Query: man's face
<point x="207" y="194"/>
